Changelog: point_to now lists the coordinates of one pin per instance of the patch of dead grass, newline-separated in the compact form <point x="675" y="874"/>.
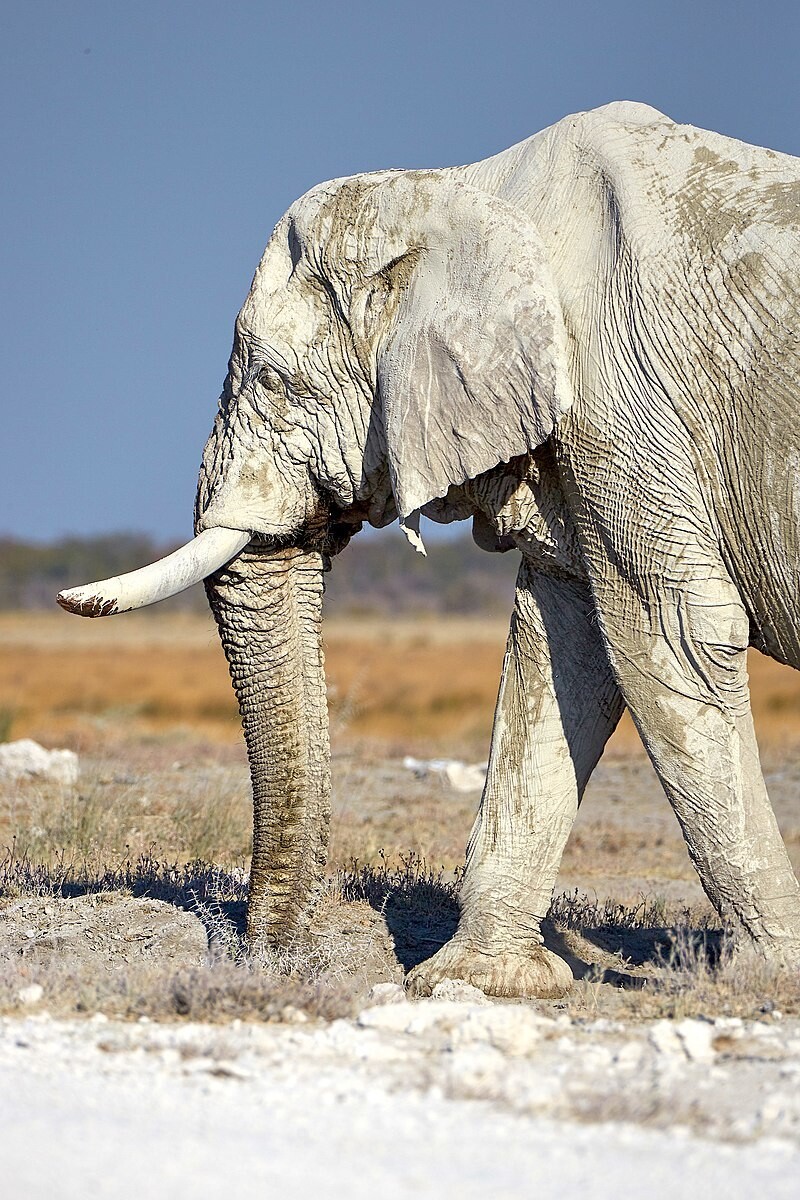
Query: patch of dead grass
<point x="164" y="791"/>
<point x="657" y="960"/>
<point x="429" y="681"/>
<point x="321" y="976"/>
<point x="634" y="963"/>
<point x="192" y="812"/>
<point x="219" y="991"/>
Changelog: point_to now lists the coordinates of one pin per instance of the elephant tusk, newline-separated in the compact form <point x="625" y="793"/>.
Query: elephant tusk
<point x="199" y="558"/>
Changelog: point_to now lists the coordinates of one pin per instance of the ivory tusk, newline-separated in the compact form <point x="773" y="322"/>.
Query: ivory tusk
<point x="199" y="558"/>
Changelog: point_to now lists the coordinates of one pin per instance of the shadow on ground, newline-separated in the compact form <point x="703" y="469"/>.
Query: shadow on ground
<point x="606" y="944"/>
<point x="417" y="907"/>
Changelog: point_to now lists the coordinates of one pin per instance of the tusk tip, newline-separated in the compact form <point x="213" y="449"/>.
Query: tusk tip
<point x="77" y="601"/>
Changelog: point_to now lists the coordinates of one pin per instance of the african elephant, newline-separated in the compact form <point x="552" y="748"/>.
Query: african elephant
<point x="589" y="345"/>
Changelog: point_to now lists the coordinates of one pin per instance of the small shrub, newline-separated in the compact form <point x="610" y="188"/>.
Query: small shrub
<point x="8" y="716"/>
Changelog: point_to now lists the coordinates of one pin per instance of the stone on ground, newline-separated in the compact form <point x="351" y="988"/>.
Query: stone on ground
<point x="106" y="930"/>
<point x="26" y="759"/>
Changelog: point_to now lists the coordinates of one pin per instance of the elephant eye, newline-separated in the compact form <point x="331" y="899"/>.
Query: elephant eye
<point x="270" y="380"/>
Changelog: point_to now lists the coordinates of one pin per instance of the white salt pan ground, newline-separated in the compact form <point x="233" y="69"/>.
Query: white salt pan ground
<point x="432" y="1099"/>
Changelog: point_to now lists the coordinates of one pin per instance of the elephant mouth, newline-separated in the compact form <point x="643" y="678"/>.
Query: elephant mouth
<point x="326" y="532"/>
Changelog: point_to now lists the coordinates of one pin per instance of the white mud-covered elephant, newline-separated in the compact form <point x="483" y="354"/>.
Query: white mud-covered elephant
<point x="590" y="345"/>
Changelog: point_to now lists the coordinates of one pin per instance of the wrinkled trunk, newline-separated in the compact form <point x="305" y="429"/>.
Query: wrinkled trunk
<point x="268" y="607"/>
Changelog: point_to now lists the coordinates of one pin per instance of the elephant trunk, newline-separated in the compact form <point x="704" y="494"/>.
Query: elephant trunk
<point x="268" y="607"/>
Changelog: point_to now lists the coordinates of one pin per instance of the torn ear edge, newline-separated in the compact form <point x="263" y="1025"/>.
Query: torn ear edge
<point x="410" y="527"/>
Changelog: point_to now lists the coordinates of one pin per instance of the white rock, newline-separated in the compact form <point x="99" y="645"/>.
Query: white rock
<point x="476" y="1071"/>
<point x="460" y="990"/>
<point x="685" y="1039"/>
<point x="386" y="993"/>
<point x="415" y="1018"/>
<point x="31" y="994"/>
<point x="775" y="1106"/>
<point x="291" y="1015"/>
<point x="394" y="1018"/>
<point x="462" y="777"/>
<point x="26" y="759"/>
<point x="629" y="1056"/>
<point x="512" y="1029"/>
<point x="594" y="1060"/>
<point x="665" y="1039"/>
<point x="696" y="1038"/>
<point x="466" y="777"/>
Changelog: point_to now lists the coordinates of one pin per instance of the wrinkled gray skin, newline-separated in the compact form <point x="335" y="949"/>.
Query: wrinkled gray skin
<point x="589" y="345"/>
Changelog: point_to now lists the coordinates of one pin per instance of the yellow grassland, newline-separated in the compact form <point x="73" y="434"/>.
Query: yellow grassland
<point x="427" y="683"/>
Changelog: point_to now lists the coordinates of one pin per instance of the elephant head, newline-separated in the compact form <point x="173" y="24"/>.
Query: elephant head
<point x="402" y="335"/>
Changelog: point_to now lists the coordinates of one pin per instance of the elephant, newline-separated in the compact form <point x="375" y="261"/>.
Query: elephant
<point x="588" y="345"/>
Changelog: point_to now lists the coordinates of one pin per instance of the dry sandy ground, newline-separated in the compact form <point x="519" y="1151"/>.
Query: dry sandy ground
<point x="432" y="1099"/>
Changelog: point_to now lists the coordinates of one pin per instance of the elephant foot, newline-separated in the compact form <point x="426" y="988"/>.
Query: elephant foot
<point x="536" y="974"/>
<point x="774" y="954"/>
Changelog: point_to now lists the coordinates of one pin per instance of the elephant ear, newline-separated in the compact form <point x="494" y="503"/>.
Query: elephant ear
<point x="472" y="369"/>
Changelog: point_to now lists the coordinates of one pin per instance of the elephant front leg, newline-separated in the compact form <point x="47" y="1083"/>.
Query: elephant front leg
<point x="680" y="654"/>
<point x="557" y="707"/>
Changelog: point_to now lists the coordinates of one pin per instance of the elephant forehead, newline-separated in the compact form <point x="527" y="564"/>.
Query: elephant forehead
<point x="284" y="310"/>
<point x="331" y="212"/>
<point x="287" y="320"/>
<point x="363" y="218"/>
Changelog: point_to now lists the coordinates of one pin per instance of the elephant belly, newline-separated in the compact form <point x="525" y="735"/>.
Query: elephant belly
<point x="764" y="544"/>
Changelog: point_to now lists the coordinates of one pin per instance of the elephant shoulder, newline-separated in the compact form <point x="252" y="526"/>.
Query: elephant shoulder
<point x="629" y="112"/>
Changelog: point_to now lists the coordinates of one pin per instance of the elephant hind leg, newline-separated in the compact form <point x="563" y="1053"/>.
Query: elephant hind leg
<point x="557" y="707"/>
<point x="681" y="661"/>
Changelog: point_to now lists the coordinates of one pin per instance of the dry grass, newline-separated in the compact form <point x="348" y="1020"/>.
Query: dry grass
<point x="433" y="682"/>
<point x="164" y="791"/>
<point x="429" y="681"/>
<point x="80" y="683"/>
<point x="631" y="962"/>
<point x="323" y="975"/>
<point x="220" y="990"/>
<point x="187" y="812"/>
<point x="655" y="960"/>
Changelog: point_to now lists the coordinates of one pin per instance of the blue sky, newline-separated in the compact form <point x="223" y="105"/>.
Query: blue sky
<point x="149" y="148"/>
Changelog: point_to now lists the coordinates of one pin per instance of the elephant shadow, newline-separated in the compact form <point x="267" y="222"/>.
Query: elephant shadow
<point x="218" y="898"/>
<point x="420" y="914"/>
<point x="592" y="952"/>
<point x="422" y="917"/>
